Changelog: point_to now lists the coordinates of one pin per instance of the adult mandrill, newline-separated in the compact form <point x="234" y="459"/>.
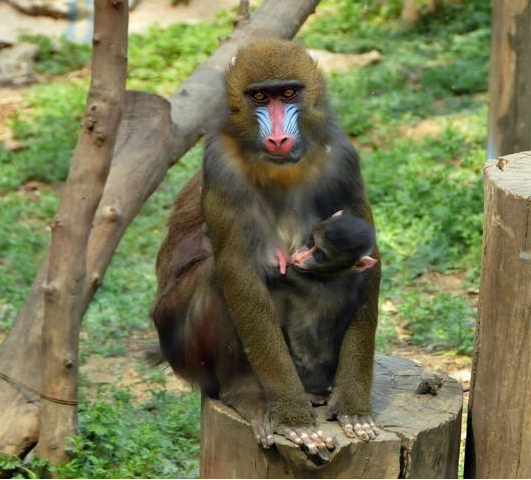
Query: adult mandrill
<point x="275" y="168"/>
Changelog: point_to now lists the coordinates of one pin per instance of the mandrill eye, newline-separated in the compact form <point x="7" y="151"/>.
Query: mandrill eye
<point x="289" y="93"/>
<point x="259" y="97"/>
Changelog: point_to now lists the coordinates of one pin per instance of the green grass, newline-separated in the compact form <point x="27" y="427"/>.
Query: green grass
<point x="162" y="58"/>
<point x="58" y="57"/>
<point x="123" y="438"/>
<point x="47" y="130"/>
<point x="443" y="321"/>
<point x="426" y="192"/>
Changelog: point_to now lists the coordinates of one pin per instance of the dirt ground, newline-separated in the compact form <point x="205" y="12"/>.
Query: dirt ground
<point x="129" y="371"/>
<point x="10" y="100"/>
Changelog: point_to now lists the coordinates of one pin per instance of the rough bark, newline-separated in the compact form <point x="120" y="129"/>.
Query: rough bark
<point x="149" y="142"/>
<point x="63" y="289"/>
<point x="411" y="9"/>
<point x="510" y="78"/>
<point x="144" y="151"/>
<point x="499" y="415"/>
<point x="419" y="435"/>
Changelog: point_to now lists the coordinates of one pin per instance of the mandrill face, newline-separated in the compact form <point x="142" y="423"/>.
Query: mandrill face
<point x="276" y="107"/>
<point x="276" y="100"/>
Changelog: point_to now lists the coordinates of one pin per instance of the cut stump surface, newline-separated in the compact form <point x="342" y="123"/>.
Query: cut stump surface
<point x="419" y="435"/>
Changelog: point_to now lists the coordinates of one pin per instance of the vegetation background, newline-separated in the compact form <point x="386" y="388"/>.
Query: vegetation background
<point x="418" y="117"/>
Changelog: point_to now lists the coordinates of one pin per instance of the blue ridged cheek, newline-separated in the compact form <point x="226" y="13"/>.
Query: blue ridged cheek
<point x="291" y="126"/>
<point x="264" y="122"/>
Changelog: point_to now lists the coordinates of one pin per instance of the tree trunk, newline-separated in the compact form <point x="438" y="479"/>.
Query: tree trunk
<point x="67" y="260"/>
<point x="149" y="142"/>
<point x="412" y="10"/>
<point x="510" y="78"/>
<point x="499" y="417"/>
<point x="418" y="435"/>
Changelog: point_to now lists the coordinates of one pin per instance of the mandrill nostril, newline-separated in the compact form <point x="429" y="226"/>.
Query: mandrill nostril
<point x="279" y="144"/>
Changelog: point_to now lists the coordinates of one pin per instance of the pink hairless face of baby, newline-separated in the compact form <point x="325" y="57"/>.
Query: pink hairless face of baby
<point x="302" y="254"/>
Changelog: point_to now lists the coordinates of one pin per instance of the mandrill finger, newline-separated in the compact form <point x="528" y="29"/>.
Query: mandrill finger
<point x="290" y="434"/>
<point x="367" y="430"/>
<point x="263" y="438"/>
<point x="348" y="428"/>
<point x="360" y="431"/>
<point x="317" y="449"/>
<point x="368" y="426"/>
<point x="255" y="428"/>
<point x="270" y="440"/>
<point x="329" y="442"/>
<point x="307" y="441"/>
<point x="318" y="440"/>
<point x="373" y="426"/>
<point x="268" y="434"/>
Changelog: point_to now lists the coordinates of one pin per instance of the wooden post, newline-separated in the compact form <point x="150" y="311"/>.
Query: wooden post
<point x="510" y="78"/>
<point x="499" y="419"/>
<point x="418" y="435"/>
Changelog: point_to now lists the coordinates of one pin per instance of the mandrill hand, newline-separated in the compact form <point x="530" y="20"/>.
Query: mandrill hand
<point x="311" y="440"/>
<point x="361" y="425"/>
<point x="301" y="430"/>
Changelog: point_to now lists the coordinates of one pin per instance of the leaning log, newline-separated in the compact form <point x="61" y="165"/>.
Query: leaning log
<point x="499" y="418"/>
<point x="418" y="434"/>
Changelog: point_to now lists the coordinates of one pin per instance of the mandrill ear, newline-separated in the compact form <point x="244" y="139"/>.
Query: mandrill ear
<point x="312" y="55"/>
<point x="365" y="263"/>
<point x="232" y="63"/>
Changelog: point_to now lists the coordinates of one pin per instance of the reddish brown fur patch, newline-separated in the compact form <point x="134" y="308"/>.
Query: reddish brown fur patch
<point x="201" y="342"/>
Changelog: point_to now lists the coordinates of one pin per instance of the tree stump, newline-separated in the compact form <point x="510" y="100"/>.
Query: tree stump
<point x="419" y="434"/>
<point x="499" y="420"/>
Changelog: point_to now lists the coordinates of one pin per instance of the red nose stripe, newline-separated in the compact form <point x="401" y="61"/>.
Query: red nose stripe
<point x="278" y="143"/>
<point x="276" y="114"/>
